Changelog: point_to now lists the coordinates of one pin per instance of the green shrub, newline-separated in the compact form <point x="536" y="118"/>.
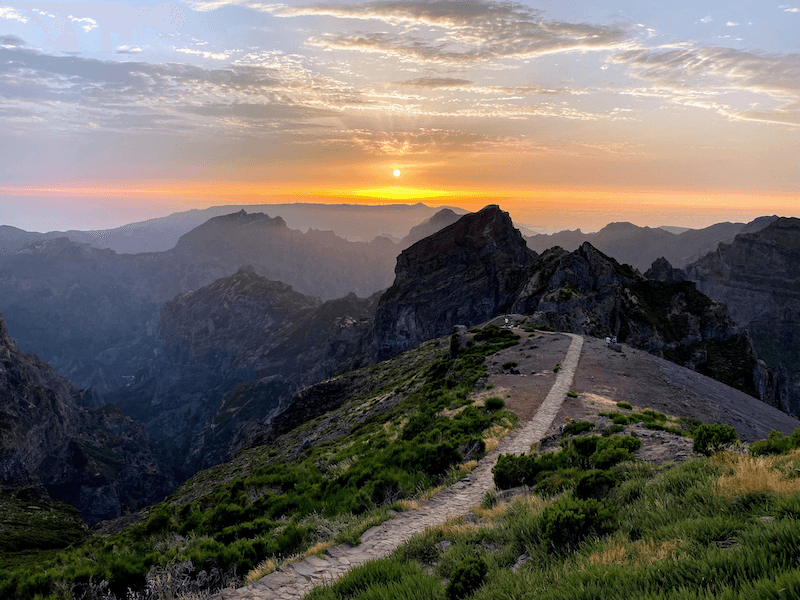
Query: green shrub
<point x="612" y="429"/>
<point x="776" y="443"/>
<point x="494" y="403"/>
<point x="709" y="439"/>
<point x="509" y="364"/>
<point x="467" y="577"/>
<point x="572" y="394"/>
<point x="569" y="521"/>
<point x="594" y="484"/>
<point x="577" y="427"/>
<point x="557" y="368"/>
<point x="626" y="405"/>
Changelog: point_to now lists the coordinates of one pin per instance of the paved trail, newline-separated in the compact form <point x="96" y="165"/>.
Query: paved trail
<point x="293" y="581"/>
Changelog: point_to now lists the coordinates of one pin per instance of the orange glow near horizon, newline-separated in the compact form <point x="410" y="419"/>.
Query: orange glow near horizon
<point x="562" y="207"/>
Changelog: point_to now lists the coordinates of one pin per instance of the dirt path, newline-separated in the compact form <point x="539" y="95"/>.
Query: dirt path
<point x="293" y="581"/>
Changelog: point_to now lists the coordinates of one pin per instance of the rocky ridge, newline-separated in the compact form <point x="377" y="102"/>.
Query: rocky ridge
<point x="97" y="460"/>
<point x="758" y="277"/>
<point x="464" y="274"/>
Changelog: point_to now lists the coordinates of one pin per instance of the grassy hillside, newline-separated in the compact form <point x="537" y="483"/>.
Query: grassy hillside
<point x="408" y="427"/>
<point x="722" y="527"/>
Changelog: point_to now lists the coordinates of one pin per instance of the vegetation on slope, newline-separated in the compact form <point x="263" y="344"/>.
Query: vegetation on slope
<point x="408" y="428"/>
<point x="722" y="527"/>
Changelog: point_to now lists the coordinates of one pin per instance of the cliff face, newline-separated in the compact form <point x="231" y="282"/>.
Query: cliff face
<point x="464" y="274"/>
<point x="97" y="460"/>
<point x="758" y="277"/>
<point x="235" y="351"/>
<point x="590" y="293"/>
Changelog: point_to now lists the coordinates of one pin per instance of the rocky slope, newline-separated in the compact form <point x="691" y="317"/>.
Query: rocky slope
<point x="640" y="246"/>
<point x="98" y="460"/>
<point x="233" y="352"/>
<point x="587" y="292"/>
<point x="463" y="274"/>
<point x="758" y="277"/>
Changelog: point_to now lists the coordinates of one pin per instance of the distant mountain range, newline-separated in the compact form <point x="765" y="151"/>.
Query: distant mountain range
<point x="354" y="222"/>
<point x="641" y="246"/>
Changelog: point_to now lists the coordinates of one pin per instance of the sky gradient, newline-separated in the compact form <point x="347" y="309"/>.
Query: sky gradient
<point x="567" y="114"/>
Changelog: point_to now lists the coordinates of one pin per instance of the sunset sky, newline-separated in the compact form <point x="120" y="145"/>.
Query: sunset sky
<point x="567" y="114"/>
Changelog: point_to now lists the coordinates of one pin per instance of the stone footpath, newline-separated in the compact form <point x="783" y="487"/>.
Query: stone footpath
<point x="295" y="580"/>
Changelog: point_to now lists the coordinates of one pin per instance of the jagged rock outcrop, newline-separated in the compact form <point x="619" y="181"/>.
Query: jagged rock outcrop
<point x="664" y="272"/>
<point x="587" y="292"/>
<point x="464" y="274"/>
<point x="98" y="460"/>
<point x="235" y="351"/>
<point x="758" y="277"/>
<point x="436" y="223"/>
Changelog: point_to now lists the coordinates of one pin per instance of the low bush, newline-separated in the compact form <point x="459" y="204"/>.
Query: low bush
<point x="509" y="364"/>
<point x="577" y="427"/>
<point x="626" y="405"/>
<point x="569" y="521"/>
<point x="709" y="439"/>
<point x="494" y="403"/>
<point x="466" y="578"/>
<point x="776" y="443"/>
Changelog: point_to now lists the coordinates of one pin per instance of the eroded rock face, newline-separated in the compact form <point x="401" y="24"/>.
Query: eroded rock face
<point x="662" y="271"/>
<point x="98" y="460"/>
<point x="235" y="351"/>
<point x="588" y="292"/>
<point x="464" y="274"/>
<point x="758" y="277"/>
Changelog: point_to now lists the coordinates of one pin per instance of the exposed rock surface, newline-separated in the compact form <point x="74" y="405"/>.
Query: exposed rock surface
<point x="664" y="272"/>
<point x="758" y="277"/>
<point x="640" y="246"/>
<point x="235" y="351"/>
<point x="98" y="460"/>
<point x="464" y="274"/>
<point x="588" y="292"/>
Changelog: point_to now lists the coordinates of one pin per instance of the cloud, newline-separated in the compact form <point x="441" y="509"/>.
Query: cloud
<point x="435" y="82"/>
<point x="204" y="54"/>
<point x="449" y="32"/>
<point x="11" y="41"/>
<point x="7" y="12"/>
<point x="707" y="19"/>
<point x="789" y="9"/>
<point x="701" y="77"/>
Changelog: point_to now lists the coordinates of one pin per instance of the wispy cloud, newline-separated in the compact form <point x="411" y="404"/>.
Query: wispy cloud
<point x="447" y="32"/>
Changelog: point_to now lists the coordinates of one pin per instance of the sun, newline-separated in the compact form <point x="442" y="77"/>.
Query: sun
<point x="396" y="172"/>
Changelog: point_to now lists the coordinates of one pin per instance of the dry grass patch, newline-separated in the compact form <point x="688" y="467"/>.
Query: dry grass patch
<point x="495" y="433"/>
<point x="262" y="570"/>
<point x="412" y="503"/>
<point x="613" y="552"/>
<point x="747" y="474"/>
<point x="468" y="466"/>
<point x="455" y="527"/>
<point x="319" y="548"/>
<point x="643" y="552"/>
<point x="491" y="515"/>
<point x="649" y="551"/>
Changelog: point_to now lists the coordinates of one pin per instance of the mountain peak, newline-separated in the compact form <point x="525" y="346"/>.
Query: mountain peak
<point x="463" y="274"/>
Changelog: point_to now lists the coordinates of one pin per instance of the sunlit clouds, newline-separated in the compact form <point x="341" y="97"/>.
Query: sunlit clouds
<point x="461" y="97"/>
